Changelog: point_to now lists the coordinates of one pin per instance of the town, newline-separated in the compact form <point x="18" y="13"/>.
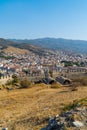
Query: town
<point x="32" y="65"/>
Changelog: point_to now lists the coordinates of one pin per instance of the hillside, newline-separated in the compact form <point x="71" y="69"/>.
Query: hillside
<point x="5" y="43"/>
<point x="44" y="45"/>
<point x="27" y="47"/>
<point x="27" y="109"/>
<point x="15" y="50"/>
<point x="78" y="46"/>
<point x="33" y="48"/>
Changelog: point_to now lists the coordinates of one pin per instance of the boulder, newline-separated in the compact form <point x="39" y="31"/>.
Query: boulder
<point x="4" y="128"/>
<point x="78" y="124"/>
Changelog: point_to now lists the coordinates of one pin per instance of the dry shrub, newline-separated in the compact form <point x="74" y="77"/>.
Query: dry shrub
<point x="70" y="106"/>
<point x="74" y="86"/>
<point x="9" y="82"/>
<point x="25" y="83"/>
<point x="40" y="85"/>
<point x="74" y="89"/>
<point x="80" y="81"/>
<point x="0" y="87"/>
<point x="81" y="102"/>
<point x="56" y="85"/>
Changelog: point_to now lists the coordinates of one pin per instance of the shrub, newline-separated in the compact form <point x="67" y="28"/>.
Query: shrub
<point x="56" y="85"/>
<point x="51" y="73"/>
<point x="74" y="89"/>
<point x="81" y="81"/>
<point x="25" y="83"/>
<point x="15" y="79"/>
<point x="74" y="86"/>
<point x="9" y="82"/>
<point x="70" y="106"/>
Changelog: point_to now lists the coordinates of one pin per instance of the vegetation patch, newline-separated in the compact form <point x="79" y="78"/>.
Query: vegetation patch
<point x="82" y="102"/>
<point x="25" y="83"/>
<point x="56" y="85"/>
<point x="69" y="106"/>
<point x="80" y="81"/>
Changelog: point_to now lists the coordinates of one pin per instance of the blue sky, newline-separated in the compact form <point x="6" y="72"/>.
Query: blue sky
<point x="43" y="18"/>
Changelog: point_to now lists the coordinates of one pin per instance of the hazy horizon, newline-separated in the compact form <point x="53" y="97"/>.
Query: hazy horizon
<point x="10" y="38"/>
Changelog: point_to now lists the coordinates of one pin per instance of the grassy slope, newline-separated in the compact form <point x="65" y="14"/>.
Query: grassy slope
<point x="23" y="108"/>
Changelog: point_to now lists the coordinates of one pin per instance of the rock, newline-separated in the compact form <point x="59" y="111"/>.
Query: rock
<point x="54" y="124"/>
<point x="4" y="128"/>
<point x="43" y="129"/>
<point x="76" y="117"/>
<point x="78" y="124"/>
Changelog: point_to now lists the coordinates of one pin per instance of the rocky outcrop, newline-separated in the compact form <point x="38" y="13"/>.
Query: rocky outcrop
<point x="75" y="119"/>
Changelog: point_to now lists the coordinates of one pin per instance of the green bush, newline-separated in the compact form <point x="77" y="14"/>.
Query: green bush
<point x="15" y="79"/>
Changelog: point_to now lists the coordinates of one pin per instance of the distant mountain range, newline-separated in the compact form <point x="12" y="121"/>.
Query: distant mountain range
<point x="78" y="46"/>
<point x="40" y="46"/>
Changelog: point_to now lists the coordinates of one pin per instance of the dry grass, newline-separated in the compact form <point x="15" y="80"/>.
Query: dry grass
<point x="80" y="81"/>
<point x="29" y="108"/>
<point x="12" y="50"/>
<point x="56" y="85"/>
<point x="82" y="102"/>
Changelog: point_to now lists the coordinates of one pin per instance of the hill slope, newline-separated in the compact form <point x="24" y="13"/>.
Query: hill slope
<point x="79" y="46"/>
<point x="12" y="50"/>
<point x="32" y="48"/>
<point x="5" y="43"/>
<point x="23" y="109"/>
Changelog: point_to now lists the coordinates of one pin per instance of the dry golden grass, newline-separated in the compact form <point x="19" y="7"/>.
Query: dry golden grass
<point x="12" y="50"/>
<point x="23" y="109"/>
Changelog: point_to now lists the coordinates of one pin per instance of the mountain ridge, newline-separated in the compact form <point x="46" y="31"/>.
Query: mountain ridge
<point x="79" y="46"/>
<point x="43" y="44"/>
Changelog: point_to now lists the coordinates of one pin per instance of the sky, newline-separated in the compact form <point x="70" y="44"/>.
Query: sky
<point x="30" y="19"/>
